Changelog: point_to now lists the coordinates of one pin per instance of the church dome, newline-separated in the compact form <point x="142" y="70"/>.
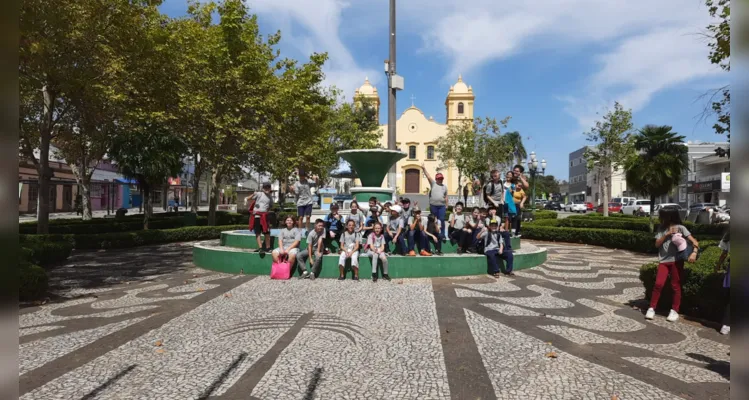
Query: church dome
<point x="366" y="89"/>
<point x="460" y="87"/>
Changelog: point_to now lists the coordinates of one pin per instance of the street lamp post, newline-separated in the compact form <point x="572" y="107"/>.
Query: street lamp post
<point x="534" y="171"/>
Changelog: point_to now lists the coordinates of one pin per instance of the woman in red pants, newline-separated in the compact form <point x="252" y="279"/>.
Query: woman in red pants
<point x="672" y="251"/>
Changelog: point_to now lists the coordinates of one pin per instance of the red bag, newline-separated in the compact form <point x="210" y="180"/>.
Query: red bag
<point x="281" y="270"/>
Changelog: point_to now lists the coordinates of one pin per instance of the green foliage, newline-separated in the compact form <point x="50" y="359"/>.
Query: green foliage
<point x="32" y="282"/>
<point x="720" y="54"/>
<point x="637" y="224"/>
<point x="101" y="225"/>
<point x="659" y="163"/>
<point x="612" y="145"/>
<point x="46" y="250"/>
<point x="474" y="147"/>
<point x="150" y="237"/>
<point x="538" y="215"/>
<point x="515" y="140"/>
<point x="613" y="238"/>
<point x="702" y="287"/>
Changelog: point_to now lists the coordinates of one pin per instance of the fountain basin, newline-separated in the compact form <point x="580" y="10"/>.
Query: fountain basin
<point x="363" y="194"/>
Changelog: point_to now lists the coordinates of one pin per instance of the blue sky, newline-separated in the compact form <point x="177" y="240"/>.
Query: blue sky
<point x="554" y="66"/>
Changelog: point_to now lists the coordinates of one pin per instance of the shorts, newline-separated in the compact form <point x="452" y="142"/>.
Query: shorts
<point x="258" y="228"/>
<point x="291" y="252"/>
<point x="304" y="211"/>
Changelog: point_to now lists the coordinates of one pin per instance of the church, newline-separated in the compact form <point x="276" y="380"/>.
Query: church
<point x="416" y="135"/>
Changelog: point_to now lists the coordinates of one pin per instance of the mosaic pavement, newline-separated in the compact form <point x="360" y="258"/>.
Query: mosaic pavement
<point x="145" y="324"/>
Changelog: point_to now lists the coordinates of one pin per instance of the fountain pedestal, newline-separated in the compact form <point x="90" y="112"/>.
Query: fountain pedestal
<point x="371" y="166"/>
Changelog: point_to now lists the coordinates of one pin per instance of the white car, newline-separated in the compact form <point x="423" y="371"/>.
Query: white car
<point x="567" y="207"/>
<point x="636" y="207"/>
<point x="579" y="207"/>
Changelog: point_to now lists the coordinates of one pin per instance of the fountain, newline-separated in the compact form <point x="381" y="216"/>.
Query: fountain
<point x="371" y="166"/>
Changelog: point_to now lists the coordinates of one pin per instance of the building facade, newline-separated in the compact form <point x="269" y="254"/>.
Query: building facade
<point x="417" y="135"/>
<point x="701" y="172"/>
<point x="578" y="176"/>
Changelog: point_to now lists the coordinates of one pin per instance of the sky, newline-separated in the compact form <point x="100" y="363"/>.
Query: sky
<point x="553" y="66"/>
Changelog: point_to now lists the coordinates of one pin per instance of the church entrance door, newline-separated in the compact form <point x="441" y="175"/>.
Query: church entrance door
<point x="413" y="180"/>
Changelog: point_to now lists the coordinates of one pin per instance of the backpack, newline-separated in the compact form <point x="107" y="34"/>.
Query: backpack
<point x="486" y="193"/>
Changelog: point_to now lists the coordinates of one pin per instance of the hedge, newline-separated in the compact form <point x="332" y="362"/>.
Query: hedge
<point x="544" y="214"/>
<point x="120" y="240"/>
<point x="613" y="238"/>
<point x="46" y="250"/>
<point x="702" y="287"/>
<point x="639" y="224"/>
<point x="32" y="282"/>
<point x="109" y="225"/>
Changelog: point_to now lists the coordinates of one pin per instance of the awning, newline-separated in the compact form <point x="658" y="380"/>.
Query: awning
<point x="126" y="180"/>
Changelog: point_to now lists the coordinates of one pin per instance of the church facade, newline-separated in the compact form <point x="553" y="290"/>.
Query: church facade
<point x="417" y="135"/>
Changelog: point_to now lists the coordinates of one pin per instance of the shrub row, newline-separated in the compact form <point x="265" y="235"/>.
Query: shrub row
<point x="702" y="287"/>
<point x="32" y="281"/>
<point x="637" y="224"/>
<point x="544" y="214"/>
<point x="46" y="250"/>
<point x="613" y="238"/>
<point x="140" y="238"/>
<point x="108" y="225"/>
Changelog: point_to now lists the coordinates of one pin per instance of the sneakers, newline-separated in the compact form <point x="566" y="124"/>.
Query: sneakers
<point x="425" y="253"/>
<point x="650" y="314"/>
<point x="725" y="330"/>
<point x="356" y="278"/>
<point x="342" y="278"/>
<point x="305" y="275"/>
<point x="411" y="253"/>
<point x="386" y="277"/>
<point x="374" y="277"/>
<point x="439" y="253"/>
<point x="312" y="276"/>
<point x="673" y="316"/>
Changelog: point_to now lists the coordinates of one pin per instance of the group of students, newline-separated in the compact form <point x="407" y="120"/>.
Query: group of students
<point x="374" y="228"/>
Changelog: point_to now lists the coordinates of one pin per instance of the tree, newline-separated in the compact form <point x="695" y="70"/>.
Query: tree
<point x="547" y="184"/>
<point x="720" y="54"/>
<point x="149" y="154"/>
<point x="515" y="140"/>
<point x="225" y="89"/>
<point x="69" y="55"/>
<point x="658" y="164"/>
<point x="613" y="146"/>
<point x="474" y="148"/>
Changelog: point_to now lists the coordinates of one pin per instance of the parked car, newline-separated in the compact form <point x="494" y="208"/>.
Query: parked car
<point x="672" y="206"/>
<point x="637" y="207"/>
<point x="590" y="206"/>
<point x="553" y="205"/>
<point x="567" y="207"/>
<point x="613" y="208"/>
<point x="579" y="207"/>
<point x="623" y="200"/>
<point x="697" y="207"/>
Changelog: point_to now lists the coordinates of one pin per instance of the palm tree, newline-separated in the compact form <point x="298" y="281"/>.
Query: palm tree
<point x="515" y="140"/>
<point x="658" y="164"/>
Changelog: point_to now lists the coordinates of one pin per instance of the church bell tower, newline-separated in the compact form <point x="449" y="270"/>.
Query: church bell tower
<point x="459" y="102"/>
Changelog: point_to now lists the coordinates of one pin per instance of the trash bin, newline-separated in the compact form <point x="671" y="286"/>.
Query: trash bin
<point x="191" y="219"/>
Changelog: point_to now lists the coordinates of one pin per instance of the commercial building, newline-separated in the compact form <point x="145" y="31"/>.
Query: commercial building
<point x="578" y="176"/>
<point x="708" y="179"/>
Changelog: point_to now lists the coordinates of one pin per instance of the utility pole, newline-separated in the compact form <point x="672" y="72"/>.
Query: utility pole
<point x="391" y="95"/>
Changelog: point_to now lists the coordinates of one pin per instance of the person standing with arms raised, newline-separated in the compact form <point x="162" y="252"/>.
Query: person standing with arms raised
<point x="302" y="189"/>
<point x="437" y="196"/>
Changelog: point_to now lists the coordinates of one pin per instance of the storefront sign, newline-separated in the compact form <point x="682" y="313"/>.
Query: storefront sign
<point x="174" y="181"/>
<point x="706" y="187"/>
<point x="725" y="182"/>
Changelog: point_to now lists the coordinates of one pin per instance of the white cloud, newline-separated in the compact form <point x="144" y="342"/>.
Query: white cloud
<point x="640" y="47"/>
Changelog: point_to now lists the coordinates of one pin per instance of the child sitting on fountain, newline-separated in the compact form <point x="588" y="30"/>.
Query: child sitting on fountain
<point x="261" y="204"/>
<point x="376" y="251"/>
<point x="371" y="220"/>
<point x="350" y="243"/>
<point x="355" y="216"/>
<point x="493" y="246"/>
<point x="433" y="232"/>
<point x="394" y="231"/>
<point x="333" y="227"/>
<point x="288" y="242"/>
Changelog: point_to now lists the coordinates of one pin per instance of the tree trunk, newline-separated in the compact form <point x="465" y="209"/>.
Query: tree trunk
<point x="652" y="208"/>
<point x="605" y="195"/>
<point x="164" y="196"/>
<point x="43" y="170"/>
<point x="85" y="185"/>
<point x="196" y="186"/>
<point x="213" y="197"/>
<point x="146" y="190"/>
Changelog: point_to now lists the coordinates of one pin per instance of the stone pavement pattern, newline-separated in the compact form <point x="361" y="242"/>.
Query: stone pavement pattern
<point x="145" y="324"/>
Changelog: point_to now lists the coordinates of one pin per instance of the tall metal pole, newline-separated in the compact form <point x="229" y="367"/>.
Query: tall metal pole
<point x="391" y="96"/>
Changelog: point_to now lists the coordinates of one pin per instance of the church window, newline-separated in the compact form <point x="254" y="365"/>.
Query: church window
<point x="460" y="108"/>
<point x="430" y="152"/>
<point x="412" y="152"/>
